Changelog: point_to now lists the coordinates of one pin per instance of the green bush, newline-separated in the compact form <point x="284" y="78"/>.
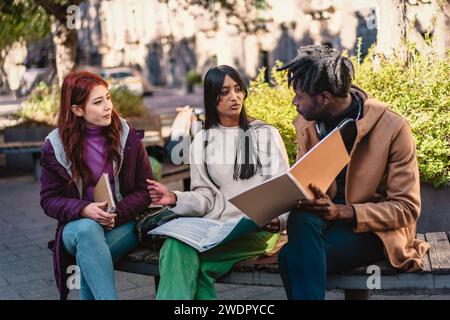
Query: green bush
<point x="418" y="90"/>
<point x="192" y="77"/>
<point x="127" y="103"/>
<point x="42" y="106"/>
<point x="273" y="105"/>
<point x="156" y="168"/>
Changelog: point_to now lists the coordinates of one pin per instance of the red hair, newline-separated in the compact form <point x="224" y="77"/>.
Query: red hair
<point x="72" y="129"/>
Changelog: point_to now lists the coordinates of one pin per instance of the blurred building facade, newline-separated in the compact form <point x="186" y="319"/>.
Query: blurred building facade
<point x="167" y="39"/>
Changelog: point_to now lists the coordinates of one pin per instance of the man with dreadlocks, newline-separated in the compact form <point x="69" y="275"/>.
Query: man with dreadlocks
<point x="369" y="213"/>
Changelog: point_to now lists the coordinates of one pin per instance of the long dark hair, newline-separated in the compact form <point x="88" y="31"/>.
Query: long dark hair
<point x="249" y="162"/>
<point x="72" y="129"/>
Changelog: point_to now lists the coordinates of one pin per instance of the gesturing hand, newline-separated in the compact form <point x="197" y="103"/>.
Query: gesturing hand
<point x="323" y="206"/>
<point x="160" y="194"/>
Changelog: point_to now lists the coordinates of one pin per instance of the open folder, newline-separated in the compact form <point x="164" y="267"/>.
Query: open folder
<point x="319" y="166"/>
<point x="103" y="192"/>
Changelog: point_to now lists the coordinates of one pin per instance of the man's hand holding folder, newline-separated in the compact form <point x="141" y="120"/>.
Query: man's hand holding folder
<point x="323" y="206"/>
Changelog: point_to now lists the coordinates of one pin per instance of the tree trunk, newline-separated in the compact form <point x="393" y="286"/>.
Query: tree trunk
<point x="65" y="41"/>
<point x="442" y="29"/>
<point x="391" y="25"/>
<point x="3" y="74"/>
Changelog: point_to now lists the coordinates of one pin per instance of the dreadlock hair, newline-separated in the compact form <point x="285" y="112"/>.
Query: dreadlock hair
<point x="320" y="68"/>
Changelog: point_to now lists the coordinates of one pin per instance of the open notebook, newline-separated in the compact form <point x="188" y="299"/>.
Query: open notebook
<point x="203" y="233"/>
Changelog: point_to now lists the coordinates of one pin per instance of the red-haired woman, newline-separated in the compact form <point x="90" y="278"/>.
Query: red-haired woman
<point x="91" y="139"/>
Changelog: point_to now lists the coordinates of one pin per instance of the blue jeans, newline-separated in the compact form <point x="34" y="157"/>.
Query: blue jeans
<point x="96" y="250"/>
<point x="316" y="247"/>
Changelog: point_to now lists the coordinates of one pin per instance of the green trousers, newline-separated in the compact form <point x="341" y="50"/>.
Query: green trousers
<point x="187" y="274"/>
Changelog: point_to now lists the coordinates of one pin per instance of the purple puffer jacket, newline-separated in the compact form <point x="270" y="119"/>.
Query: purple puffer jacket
<point x="62" y="201"/>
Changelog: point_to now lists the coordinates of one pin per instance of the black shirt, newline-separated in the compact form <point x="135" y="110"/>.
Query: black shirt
<point x="350" y="112"/>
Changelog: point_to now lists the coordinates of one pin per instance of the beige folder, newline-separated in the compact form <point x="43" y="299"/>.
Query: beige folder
<point x="103" y="192"/>
<point x="281" y="194"/>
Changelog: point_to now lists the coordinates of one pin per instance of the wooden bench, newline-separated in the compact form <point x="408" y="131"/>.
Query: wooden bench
<point x="25" y="147"/>
<point x="354" y="282"/>
<point x="34" y="148"/>
<point x="174" y="173"/>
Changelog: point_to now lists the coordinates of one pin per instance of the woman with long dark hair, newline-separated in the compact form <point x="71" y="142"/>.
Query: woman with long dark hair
<point x="233" y="153"/>
<point x="91" y="139"/>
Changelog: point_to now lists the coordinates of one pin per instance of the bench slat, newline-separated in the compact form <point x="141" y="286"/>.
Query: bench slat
<point x="152" y="257"/>
<point x="21" y="147"/>
<point x="150" y="138"/>
<point x="334" y="281"/>
<point x="426" y="262"/>
<point x="385" y="269"/>
<point x="254" y="264"/>
<point x="137" y="256"/>
<point x="20" y="144"/>
<point x="169" y="169"/>
<point x="439" y="252"/>
<point x="174" y="173"/>
<point x="398" y="281"/>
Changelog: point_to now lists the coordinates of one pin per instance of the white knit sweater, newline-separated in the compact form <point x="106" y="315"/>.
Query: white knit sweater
<point x="204" y="198"/>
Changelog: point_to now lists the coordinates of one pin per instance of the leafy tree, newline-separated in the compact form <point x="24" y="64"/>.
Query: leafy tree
<point x="22" y="21"/>
<point x="63" y="29"/>
<point x="245" y="15"/>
